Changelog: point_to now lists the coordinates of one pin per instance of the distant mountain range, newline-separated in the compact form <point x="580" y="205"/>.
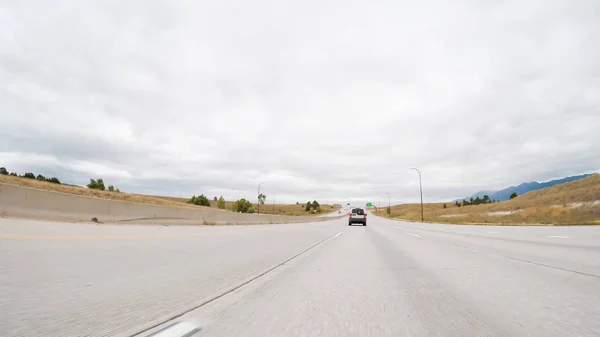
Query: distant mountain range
<point x="523" y="188"/>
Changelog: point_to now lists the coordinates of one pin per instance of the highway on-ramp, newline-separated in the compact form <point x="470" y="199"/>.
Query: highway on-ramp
<point x="389" y="278"/>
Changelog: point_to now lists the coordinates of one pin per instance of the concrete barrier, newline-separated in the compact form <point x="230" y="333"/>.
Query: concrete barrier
<point x="18" y="201"/>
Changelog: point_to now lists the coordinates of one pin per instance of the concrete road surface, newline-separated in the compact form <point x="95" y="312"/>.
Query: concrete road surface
<point x="317" y="279"/>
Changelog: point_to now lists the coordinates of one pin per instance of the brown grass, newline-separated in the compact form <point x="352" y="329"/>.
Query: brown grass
<point x="43" y="185"/>
<point x="552" y="205"/>
<point x="277" y="209"/>
<point x="286" y="209"/>
<point x="281" y="209"/>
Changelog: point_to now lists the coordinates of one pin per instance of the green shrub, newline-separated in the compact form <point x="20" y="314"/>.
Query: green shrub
<point x="243" y="206"/>
<point x="54" y="180"/>
<point x="221" y="203"/>
<point x="200" y="201"/>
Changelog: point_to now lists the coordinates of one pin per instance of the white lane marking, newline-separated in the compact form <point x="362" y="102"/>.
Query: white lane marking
<point x="177" y="330"/>
<point x="338" y="234"/>
<point x="415" y="235"/>
<point x="559" y="236"/>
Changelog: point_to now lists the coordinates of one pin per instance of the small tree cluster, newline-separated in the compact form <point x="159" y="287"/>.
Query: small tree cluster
<point x="96" y="184"/>
<point x="29" y="175"/>
<point x="477" y="201"/>
<point x="243" y="206"/>
<point x="200" y="200"/>
<point x="314" y="207"/>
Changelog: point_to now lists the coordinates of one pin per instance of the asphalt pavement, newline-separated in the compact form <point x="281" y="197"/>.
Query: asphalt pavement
<point x="388" y="278"/>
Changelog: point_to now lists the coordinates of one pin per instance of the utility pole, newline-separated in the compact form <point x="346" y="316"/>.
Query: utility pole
<point x="420" y="190"/>
<point x="389" y="203"/>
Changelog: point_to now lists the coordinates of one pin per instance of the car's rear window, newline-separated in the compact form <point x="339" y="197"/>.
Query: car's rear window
<point x="358" y="211"/>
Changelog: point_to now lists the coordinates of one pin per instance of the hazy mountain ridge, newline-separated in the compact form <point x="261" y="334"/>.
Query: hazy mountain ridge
<point x="525" y="187"/>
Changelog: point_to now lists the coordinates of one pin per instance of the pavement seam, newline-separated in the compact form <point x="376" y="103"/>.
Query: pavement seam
<point x="545" y="265"/>
<point x="180" y="314"/>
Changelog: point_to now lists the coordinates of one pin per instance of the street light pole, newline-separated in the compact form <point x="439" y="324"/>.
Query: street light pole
<point x="420" y="190"/>
<point x="389" y="203"/>
<point x="258" y="197"/>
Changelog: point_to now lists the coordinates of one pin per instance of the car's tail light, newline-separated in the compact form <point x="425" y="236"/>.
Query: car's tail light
<point x="365" y="215"/>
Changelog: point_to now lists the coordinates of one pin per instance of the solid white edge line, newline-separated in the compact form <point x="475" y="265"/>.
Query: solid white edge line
<point x="338" y="234"/>
<point x="559" y="236"/>
<point x="177" y="330"/>
<point x="419" y="236"/>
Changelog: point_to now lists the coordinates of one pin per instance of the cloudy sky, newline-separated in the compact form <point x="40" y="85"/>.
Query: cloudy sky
<point x="326" y="99"/>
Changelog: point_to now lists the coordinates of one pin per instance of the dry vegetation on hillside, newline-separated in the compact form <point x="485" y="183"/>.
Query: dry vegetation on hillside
<point x="43" y="185"/>
<point x="277" y="209"/>
<point x="148" y="199"/>
<point x="576" y="202"/>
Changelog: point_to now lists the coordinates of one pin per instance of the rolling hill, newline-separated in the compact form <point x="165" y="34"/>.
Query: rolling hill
<point x="572" y="203"/>
<point x="523" y="188"/>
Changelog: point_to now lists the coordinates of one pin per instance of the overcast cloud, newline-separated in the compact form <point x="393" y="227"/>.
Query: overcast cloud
<point x="329" y="99"/>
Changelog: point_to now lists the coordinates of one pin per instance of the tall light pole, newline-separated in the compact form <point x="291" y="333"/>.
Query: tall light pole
<point x="258" y="204"/>
<point x="420" y="190"/>
<point x="389" y="203"/>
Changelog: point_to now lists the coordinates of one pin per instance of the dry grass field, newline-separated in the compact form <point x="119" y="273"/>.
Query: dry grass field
<point x="267" y="208"/>
<point x="572" y="203"/>
<point x="281" y="209"/>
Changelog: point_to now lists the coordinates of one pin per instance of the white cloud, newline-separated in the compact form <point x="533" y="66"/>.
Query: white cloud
<point x="324" y="99"/>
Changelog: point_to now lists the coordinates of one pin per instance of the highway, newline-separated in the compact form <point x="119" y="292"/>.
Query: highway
<point x="389" y="278"/>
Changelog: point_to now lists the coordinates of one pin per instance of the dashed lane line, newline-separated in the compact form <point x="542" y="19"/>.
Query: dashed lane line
<point x="179" y="329"/>
<point x="252" y="279"/>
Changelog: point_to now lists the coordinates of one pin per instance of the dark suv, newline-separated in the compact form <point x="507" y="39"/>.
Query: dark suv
<point x="357" y="215"/>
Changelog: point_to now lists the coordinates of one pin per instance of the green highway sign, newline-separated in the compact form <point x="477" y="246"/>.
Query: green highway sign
<point x="369" y="204"/>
